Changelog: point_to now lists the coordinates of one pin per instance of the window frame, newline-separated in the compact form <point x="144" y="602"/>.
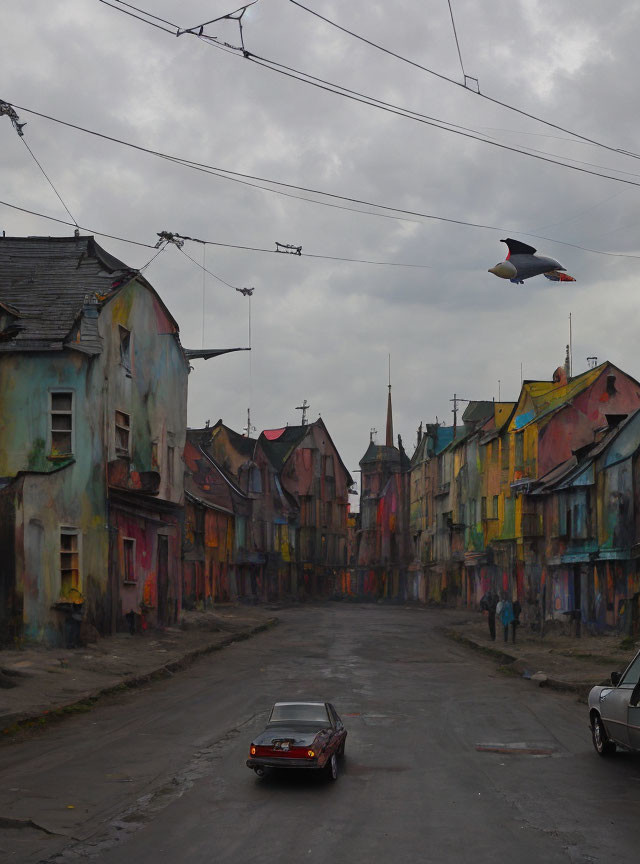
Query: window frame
<point x="61" y="391"/>
<point x="122" y="451"/>
<point x="70" y="531"/>
<point x="124" y="334"/>
<point x="129" y="577"/>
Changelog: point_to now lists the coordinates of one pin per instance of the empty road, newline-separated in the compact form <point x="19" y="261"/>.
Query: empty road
<point x="158" y="773"/>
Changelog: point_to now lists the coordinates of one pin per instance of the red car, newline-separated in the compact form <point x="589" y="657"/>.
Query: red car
<point x="299" y="735"/>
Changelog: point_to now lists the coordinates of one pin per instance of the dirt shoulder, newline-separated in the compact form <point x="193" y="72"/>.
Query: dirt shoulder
<point x="557" y="659"/>
<point x="38" y="684"/>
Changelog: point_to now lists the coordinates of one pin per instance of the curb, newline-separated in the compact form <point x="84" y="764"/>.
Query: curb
<point x="85" y="702"/>
<point x="513" y="664"/>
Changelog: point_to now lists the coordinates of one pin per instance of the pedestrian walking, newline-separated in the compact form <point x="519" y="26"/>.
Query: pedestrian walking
<point x="488" y="604"/>
<point x="505" y="612"/>
<point x="517" y="609"/>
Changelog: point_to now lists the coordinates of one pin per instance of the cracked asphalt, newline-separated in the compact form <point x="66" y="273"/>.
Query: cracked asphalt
<point x="447" y="760"/>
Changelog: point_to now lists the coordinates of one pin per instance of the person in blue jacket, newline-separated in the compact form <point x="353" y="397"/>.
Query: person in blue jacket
<point x="506" y="614"/>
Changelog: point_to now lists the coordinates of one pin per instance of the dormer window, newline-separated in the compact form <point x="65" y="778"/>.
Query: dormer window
<point x="9" y="322"/>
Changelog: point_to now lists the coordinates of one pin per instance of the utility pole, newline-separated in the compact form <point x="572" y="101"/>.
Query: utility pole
<point x="305" y="405"/>
<point x="455" y="401"/>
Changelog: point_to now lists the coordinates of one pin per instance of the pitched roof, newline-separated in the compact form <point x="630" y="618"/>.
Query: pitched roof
<point x="544" y="397"/>
<point x="278" y="444"/>
<point x="46" y="280"/>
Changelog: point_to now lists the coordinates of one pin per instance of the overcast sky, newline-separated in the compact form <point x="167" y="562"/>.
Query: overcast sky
<point x="322" y="330"/>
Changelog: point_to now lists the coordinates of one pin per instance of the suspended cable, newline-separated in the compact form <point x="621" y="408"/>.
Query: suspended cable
<point x="409" y="114"/>
<point x="458" y="84"/>
<point x="49" y="181"/>
<point x="131" y="14"/>
<point x="81" y="227"/>
<point x="455" y="35"/>
<point x="240" y="177"/>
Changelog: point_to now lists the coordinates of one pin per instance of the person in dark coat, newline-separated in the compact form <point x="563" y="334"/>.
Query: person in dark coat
<point x="517" y="609"/>
<point x="488" y="604"/>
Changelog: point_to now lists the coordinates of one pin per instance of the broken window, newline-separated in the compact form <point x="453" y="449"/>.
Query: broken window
<point x="123" y="429"/>
<point x="125" y="347"/>
<point x="129" y="559"/>
<point x="62" y="423"/>
<point x="69" y="563"/>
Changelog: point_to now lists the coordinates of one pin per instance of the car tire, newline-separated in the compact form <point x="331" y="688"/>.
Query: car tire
<point x="604" y="746"/>
<point x="332" y="768"/>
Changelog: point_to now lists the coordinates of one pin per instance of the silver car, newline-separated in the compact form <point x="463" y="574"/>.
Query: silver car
<point x="614" y="711"/>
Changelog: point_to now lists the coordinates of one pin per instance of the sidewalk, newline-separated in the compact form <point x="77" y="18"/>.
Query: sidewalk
<point x="37" y="683"/>
<point x="555" y="660"/>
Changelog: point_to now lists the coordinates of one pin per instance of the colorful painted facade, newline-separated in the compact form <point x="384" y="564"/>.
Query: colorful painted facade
<point x="497" y="510"/>
<point x="93" y="382"/>
<point x="291" y="528"/>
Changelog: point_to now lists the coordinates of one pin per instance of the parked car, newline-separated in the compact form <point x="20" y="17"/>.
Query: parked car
<point x="299" y="735"/>
<point x="614" y="711"/>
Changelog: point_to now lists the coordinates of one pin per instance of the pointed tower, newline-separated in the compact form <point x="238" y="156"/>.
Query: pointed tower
<point x="389" y="438"/>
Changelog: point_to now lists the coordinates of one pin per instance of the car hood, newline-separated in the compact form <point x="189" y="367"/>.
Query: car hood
<point x="302" y="735"/>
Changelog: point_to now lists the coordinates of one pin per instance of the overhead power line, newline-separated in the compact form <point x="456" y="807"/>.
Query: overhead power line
<point x="222" y="245"/>
<point x="339" y="90"/>
<point x="458" y="84"/>
<point x="7" y="109"/>
<point x="244" y="178"/>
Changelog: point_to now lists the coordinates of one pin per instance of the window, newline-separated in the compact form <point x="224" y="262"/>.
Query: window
<point x="495" y="506"/>
<point x="125" y="348"/>
<point x="123" y="428"/>
<point x="62" y="423"/>
<point x="129" y="559"/>
<point x="519" y="454"/>
<point x="69" y="563"/>
<point x="171" y="458"/>
<point x="483" y="508"/>
<point x="154" y="455"/>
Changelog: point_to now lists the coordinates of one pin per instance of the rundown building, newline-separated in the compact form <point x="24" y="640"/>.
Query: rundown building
<point x="215" y="507"/>
<point x="93" y="390"/>
<point x="306" y="471"/>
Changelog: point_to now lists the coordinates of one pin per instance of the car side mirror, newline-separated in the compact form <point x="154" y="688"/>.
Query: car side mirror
<point x="615" y="678"/>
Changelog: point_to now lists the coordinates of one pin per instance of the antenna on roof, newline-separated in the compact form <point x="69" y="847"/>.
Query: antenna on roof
<point x="249" y="428"/>
<point x="305" y="405"/>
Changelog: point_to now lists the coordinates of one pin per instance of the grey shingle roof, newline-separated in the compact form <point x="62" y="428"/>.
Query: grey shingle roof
<point x="46" y="279"/>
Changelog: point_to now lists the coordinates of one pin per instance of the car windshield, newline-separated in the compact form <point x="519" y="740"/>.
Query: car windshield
<point x="306" y="711"/>
<point x="632" y="674"/>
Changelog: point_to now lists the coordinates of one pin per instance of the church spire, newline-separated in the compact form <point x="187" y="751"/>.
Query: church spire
<point x="389" y="438"/>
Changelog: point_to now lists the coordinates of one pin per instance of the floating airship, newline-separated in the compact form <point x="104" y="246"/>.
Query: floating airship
<point x="523" y="262"/>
